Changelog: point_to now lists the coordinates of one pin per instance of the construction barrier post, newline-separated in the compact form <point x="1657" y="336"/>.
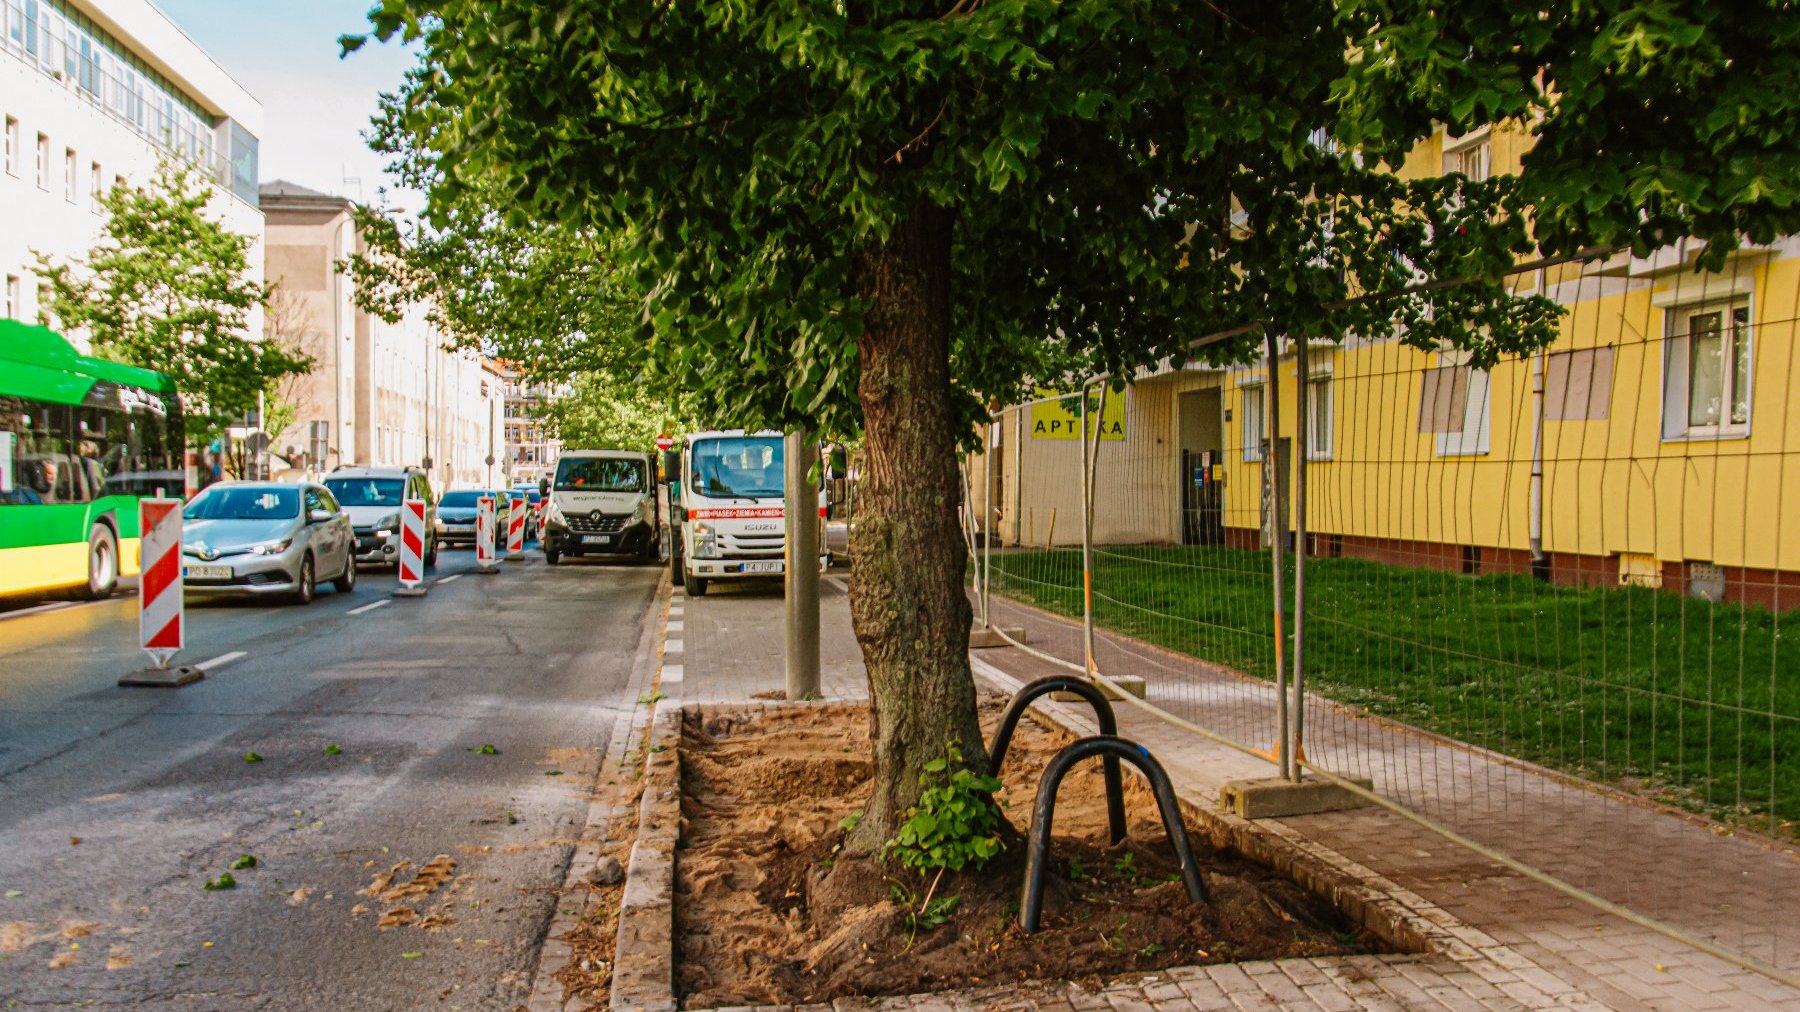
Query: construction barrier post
<point x="485" y="540"/>
<point x="515" y="528"/>
<point x="161" y="620"/>
<point x="412" y="549"/>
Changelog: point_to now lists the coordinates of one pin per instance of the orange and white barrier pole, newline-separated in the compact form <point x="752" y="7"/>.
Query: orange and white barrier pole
<point x="412" y="548"/>
<point x="484" y="535"/>
<point x="515" y="527"/>
<point x="161" y="616"/>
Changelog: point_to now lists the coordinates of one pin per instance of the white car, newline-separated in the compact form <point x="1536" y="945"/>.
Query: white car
<point x="256" y="538"/>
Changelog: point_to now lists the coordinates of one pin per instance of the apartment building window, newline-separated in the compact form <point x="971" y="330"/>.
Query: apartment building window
<point x="96" y="188"/>
<point x="1253" y="421"/>
<point x="43" y="161"/>
<point x="1578" y="384"/>
<point x="1318" y="418"/>
<point x="1469" y="155"/>
<point x="1707" y="371"/>
<point x="12" y="146"/>
<point x="69" y="175"/>
<point x="1453" y="405"/>
<point x="13" y="294"/>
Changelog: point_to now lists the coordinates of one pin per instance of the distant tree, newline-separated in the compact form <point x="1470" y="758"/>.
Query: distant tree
<point x="880" y="215"/>
<point x="602" y="411"/>
<point x="168" y="288"/>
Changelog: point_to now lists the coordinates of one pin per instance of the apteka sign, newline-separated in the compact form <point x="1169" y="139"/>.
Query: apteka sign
<point x="1061" y="418"/>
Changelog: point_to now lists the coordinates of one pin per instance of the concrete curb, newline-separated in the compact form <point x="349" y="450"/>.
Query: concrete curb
<point x="644" y="955"/>
<point x="605" y="812"/>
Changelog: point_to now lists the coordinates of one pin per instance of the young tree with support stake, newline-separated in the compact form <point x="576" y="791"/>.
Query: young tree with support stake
<point x="875" y="217"/>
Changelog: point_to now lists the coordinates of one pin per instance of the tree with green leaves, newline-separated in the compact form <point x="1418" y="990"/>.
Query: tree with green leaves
<point x="167" y="287"/>
<point x="874" y="217"/>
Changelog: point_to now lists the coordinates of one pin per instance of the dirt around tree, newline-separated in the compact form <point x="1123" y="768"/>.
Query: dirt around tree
<point x="760" y="921"/>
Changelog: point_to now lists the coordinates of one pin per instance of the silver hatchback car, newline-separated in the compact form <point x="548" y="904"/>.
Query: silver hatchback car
<point x="253" y="538"/>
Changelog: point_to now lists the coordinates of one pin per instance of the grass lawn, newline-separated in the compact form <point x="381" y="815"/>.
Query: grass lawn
<point x="1693" y="703"/>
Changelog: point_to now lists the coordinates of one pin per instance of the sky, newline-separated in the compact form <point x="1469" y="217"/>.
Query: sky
<point x="315" y="105"/>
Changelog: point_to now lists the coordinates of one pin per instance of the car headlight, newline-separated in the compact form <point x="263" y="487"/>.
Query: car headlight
<point x="271" y="547"/>
<point x="708" y="543"/>
<point x="391" y="522"/>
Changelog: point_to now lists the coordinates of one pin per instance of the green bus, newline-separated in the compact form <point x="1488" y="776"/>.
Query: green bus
<point x="81" y="441"/>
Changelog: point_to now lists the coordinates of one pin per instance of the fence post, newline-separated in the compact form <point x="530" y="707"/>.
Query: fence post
<point x="1088" y="466"/>
<point x="1303" y="451"/>
<point x="993" y="521"/>
<point x="1272" y="481"/>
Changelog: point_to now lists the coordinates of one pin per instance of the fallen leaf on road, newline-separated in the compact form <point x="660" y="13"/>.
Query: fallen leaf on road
<point x="411" y="955"/>
<point x="206" y="945"/>
<point x="298" y="896"/>
<point x="118" y="958"/>
<point x="333" y="750"/>
<point x="436" y="921"/>
<point x="14" y="893"/>
<point x="61" y="961"/>
<point x="487" y="749"/>
<point x="106" y="797"/>
<point x="224" y="881"/>
<point x="359" y="909"/>
<point x="74" y="841"/>
<point x="398" y="917"/>
<point x="553" y="773"/>
<point x="432" y="875"/>
<point x="385" y="879"/>
<point x="79" y="929"/>
<point x="243" y="861"/>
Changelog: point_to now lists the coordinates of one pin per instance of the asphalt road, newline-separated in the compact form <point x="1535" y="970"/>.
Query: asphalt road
<point x="118" y="805"/>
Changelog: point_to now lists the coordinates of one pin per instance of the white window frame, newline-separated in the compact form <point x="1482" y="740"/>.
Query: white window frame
<point x="12" y="146"/>
<point x="1472" y="440"/>
<point x="96" y="186"/>
<point x="1318" y="417"/>
<point x="43" y="162"/>
<point x="1253" y="435"/>
<point x="1678" y="369"/>
<point x="1476" y="144"/>
<point x="71" y="177"/>
<point x="14" y="296"/>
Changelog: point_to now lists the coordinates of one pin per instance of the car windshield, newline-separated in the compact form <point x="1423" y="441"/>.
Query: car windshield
<point x="746" y="466"/>
<point x="460" y="500"/>
<point x="253" y="503"/>
<point x="366" y="491"/>
<point x="599" y="474"/>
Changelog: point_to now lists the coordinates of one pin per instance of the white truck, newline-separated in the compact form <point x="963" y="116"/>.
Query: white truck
<point x="727" y="496"/>
<point x="602" y="502"/>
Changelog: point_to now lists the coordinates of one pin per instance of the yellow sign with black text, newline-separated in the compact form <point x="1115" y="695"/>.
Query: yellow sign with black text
<point x="1061" y="418"/>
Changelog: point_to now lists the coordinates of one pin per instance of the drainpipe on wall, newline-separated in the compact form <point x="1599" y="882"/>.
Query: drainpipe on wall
<point x="1540" y="563"/>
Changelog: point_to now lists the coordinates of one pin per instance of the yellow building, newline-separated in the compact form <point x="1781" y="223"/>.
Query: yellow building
<point x="1664" y="423"/>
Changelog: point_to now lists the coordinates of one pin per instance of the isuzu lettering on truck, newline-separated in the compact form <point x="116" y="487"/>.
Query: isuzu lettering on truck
<point x="728" y="493"/>
<point x="602" y="502"/>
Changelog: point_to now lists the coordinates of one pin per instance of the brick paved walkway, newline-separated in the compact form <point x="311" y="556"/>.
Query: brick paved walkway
<point x="1508" y="942"/>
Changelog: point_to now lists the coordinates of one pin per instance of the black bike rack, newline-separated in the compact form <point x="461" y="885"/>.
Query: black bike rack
<point x="1037" y="854"/>
<point x="1103" y="714"/>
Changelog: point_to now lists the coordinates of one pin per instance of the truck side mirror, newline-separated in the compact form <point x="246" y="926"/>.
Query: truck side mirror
<point x="543" y="486"/>
<point x="671" y="465"/>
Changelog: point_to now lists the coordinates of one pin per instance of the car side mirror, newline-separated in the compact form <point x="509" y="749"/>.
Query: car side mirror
<point x="319" y="516"/>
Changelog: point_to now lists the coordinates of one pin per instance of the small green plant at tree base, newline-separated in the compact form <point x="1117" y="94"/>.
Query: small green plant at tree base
<point x="849" y="822"/>
<point x="1076" y="871"/>
<point x="1153" y="949"/>
<point x="1126" y="866"/>
<point x="955" y="823"/>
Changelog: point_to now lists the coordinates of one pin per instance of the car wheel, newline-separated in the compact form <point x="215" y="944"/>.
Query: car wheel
<point x="347" y="582"/>
<point x="696" y="587"/>
<point x="431" y="555"/>
<point x="303" y="594"/>
<point x="647" y="553"/>
<point x="103" y="563"/>
<point x="551" y="556"/>
<point x="677" y="573"/>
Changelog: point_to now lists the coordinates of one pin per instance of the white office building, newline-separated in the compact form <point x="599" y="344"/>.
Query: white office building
<point x="94" y="93"/>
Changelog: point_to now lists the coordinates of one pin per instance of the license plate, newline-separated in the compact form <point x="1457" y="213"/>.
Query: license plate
<point x="762" y="567"/>
<point x="206" y="572"/>
<point x="596" y="539"/>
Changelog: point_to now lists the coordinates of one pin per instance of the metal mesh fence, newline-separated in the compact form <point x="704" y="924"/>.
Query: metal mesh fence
<point x="1543" y="602"/>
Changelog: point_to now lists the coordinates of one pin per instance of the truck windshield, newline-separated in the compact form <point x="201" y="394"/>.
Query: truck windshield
<point x="365" y="491"/>
<point x="599" y="474"/>
<point x="749" y="467"/>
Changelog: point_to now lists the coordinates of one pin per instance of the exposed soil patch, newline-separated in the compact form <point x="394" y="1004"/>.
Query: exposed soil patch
<point x="762" y="795"/>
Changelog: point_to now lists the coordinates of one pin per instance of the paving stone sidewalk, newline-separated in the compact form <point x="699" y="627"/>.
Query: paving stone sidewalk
<point x="1513" y="943"/>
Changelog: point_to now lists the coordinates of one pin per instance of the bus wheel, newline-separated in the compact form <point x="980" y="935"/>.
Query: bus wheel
<point x="103" y="563"/>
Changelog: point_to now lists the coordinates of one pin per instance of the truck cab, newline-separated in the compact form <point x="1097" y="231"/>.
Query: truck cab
<point x="602" y="502"/>
<point x="728" y="508"/>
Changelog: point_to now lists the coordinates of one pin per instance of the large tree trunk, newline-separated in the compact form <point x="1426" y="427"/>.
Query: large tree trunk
<point x="907" y="557"/>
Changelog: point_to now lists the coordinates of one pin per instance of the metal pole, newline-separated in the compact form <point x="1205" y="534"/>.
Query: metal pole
<point x="802" y="569"/>
<point x="1018" y="474"/>
<point x="1277" y="522"/>
<point x="1087" y="523"/>
<point x="993" y="520"/>
<point x="1303" y="450"/>
<point x="1538" y="566"/>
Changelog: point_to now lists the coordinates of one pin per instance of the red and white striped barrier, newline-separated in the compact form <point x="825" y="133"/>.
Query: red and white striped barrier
<point x="412" y="548"/>
<point x="484" y="534"/>
<point x="162" y="622"/>
<point x="515" y="528"/>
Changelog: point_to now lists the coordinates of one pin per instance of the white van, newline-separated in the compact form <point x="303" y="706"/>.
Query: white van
<point x="602" y="502"/>
<point x="729" y="509"/>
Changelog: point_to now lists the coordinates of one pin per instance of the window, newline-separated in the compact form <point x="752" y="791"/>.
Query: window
<point x="1318" y="418"/>
<point x="12" y="146"/>
<point x="13" y="308"/>
<point x="1253" y="422"/>
<point x="1706" y="369"/>
<point x="1578" y="384"/>
<point x="43" y="161"/>
<point x="1453" y="405"/>
<point x="1468" y="154"/>
<point x="69" y="175"/>
<point x="96" y="188"/>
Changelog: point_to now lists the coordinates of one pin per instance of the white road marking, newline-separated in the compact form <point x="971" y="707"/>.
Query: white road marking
<point x="219" y="661"/>
<point x="675" y="627"/>
<point x="42" y="608"/>
<point x="672" y="647"/>
<point x="447" y="579"/>
<point x="671" y="673"/>
<point x="371" y="606"/>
